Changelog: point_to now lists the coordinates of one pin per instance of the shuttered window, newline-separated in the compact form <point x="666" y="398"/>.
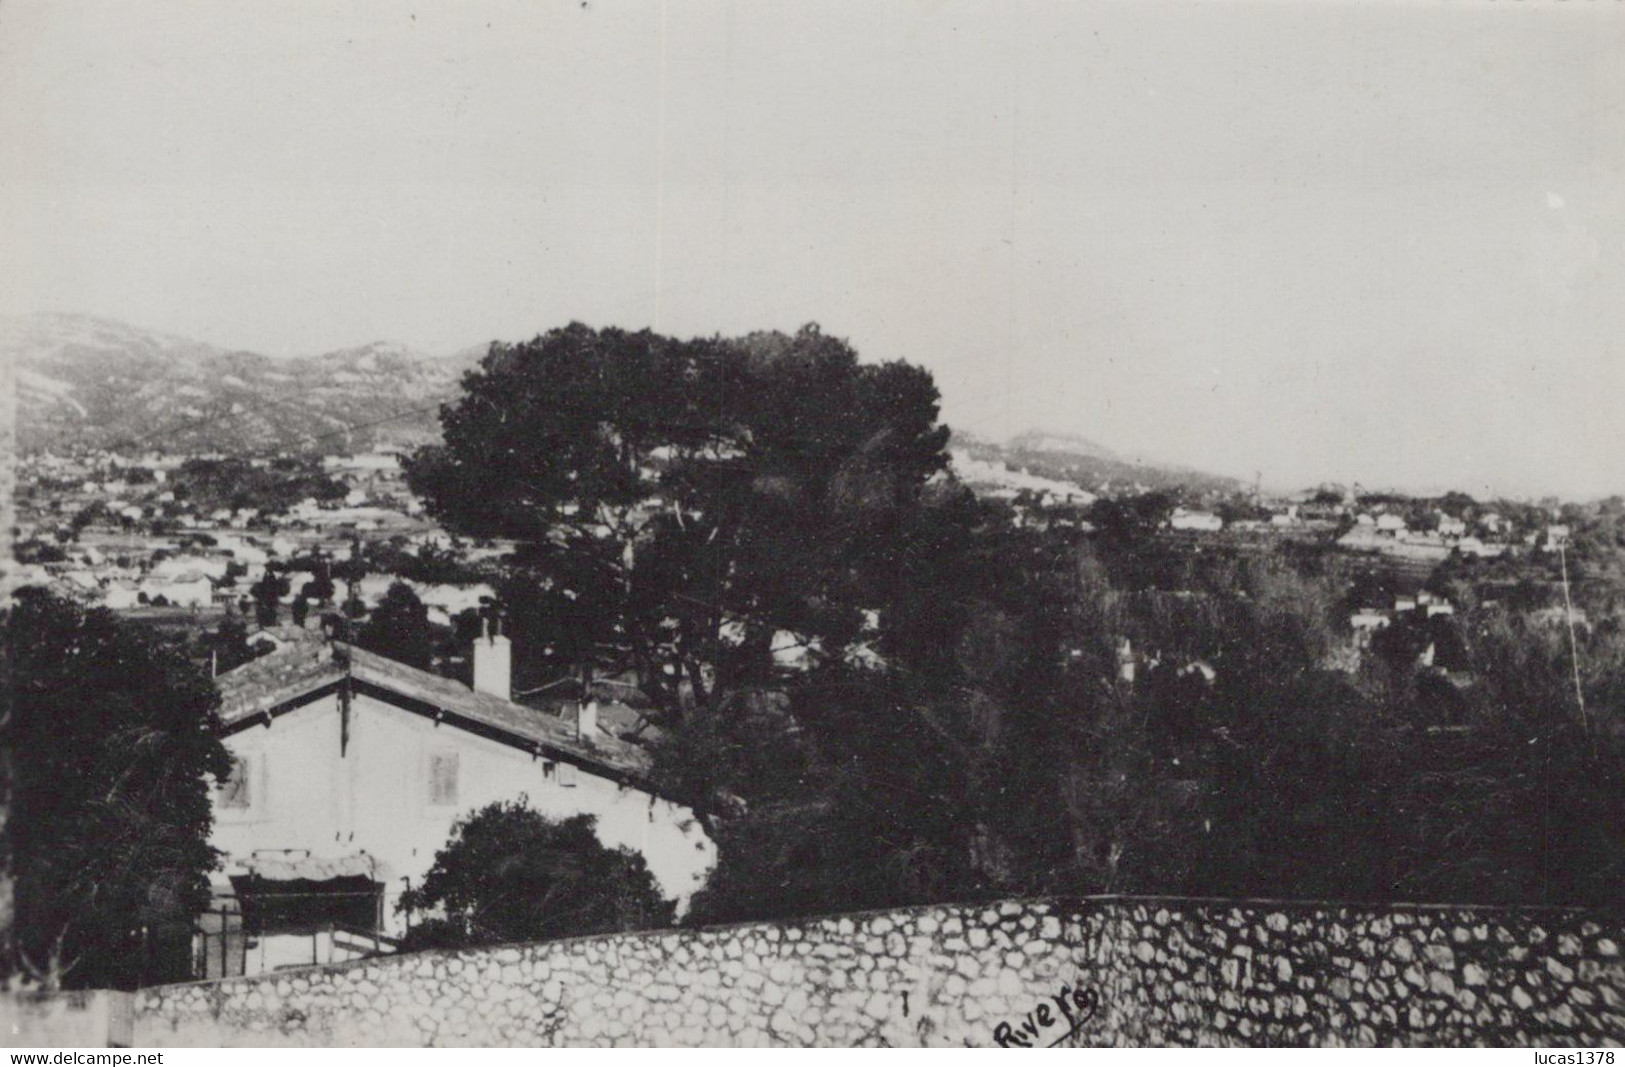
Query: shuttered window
<point x="234" y="791"/>
<point x="443" y="778"/>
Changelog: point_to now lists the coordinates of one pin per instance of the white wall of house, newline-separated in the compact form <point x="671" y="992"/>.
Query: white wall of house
<point x="197" y="593"/>
<point x="377" y="797"/>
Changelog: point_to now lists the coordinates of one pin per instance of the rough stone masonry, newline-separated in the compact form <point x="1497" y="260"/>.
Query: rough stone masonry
<point x="1097" y="971"/>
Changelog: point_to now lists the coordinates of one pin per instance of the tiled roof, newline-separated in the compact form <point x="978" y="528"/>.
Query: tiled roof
<point x="526" y="723"/>
<point x="310" y="662"/>
<point x="259" y="685"/>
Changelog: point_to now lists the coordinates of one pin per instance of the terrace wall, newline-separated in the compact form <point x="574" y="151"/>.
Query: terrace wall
<point x="1109" y="971"/>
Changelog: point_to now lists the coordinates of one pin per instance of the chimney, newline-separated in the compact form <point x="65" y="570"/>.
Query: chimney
<point x="493" y="663"/>
<point x="587" y="721"/>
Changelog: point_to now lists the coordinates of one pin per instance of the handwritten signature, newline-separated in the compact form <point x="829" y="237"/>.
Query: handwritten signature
<point x="1077" y="1006"/>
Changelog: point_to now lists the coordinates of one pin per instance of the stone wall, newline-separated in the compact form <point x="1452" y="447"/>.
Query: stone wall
<point x="1093" y="972"/>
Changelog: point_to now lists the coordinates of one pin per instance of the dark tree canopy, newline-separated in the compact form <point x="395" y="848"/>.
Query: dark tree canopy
<point x="989" y="710"/>
<point x="399" y="628"/>
<point x="684" y="500"/>
<point x="267" y="594"/>
<point x="110" y="811"/>
<point x="228" y="644"/>
<point x="511" y="874"/>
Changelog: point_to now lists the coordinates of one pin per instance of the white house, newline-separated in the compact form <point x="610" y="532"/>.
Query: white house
<point x="121" y="596"/>
<point x="1368" y="620"/>
<point x="176" y="567"/>
<point x="1474" y="546"/>
<point x="1363" y="537"/>
<point x="1205" y="521"/>
<point x="349" y="771"/>
<point x="189" y="590"/>
<point x="1559" y="617"/>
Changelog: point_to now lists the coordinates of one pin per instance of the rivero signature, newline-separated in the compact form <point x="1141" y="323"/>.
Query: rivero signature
<point x="1077" y="1006"/>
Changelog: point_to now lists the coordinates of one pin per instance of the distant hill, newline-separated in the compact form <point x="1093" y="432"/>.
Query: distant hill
<point x="1070" y="444"/>
<point x="1093" y="467"/>
<point x="86" y="382"/>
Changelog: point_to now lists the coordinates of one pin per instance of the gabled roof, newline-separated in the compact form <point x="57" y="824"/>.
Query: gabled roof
<point x="305" y="670"/>
<point x="265" y="684"/>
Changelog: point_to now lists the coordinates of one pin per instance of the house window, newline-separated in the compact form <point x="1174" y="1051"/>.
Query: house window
<point x="234" y="789"/>
<point x="443" y="778"/>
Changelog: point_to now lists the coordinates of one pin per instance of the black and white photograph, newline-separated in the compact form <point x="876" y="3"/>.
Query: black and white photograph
<point x="710" y="524"/>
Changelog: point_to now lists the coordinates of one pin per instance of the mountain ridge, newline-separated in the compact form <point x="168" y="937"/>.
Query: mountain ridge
<point x="1077" y="460"/>
<point x="85" y="381"/>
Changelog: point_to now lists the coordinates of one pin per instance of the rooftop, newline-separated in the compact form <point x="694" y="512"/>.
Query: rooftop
<point x="308" y="661"/>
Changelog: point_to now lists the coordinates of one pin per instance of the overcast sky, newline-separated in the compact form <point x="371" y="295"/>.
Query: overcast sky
<point x="1382" y="242"/>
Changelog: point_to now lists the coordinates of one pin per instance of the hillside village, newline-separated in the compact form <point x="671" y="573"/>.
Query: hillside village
<point x="183" y="542"/>
<point x="415" y="669"/>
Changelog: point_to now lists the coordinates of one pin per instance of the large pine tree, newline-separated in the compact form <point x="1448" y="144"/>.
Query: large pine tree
<point x="112" y="737"/>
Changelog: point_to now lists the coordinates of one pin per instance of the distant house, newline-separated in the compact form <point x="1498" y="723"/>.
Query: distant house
<point x="191" y="590"/>
<point x="265" y="639"/>
<point x="364" y="461"/>
<point x="349" y="770"/>
<point x="1369" y="620"/>
<point x="1364" y="537"/>
<point x="1451" y="527"/>
<point x="242" y="550"/>
<point x="1390" y="524"/>
<point x="1559" y="617"/>
<point x="190" y="565"/>
<point x="1202" y="668"/>
<point x="121" y="596"/>
<point x="1475" y="547"/>
<point x="82" y="580"/>
<point x="1205" y="521"/>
